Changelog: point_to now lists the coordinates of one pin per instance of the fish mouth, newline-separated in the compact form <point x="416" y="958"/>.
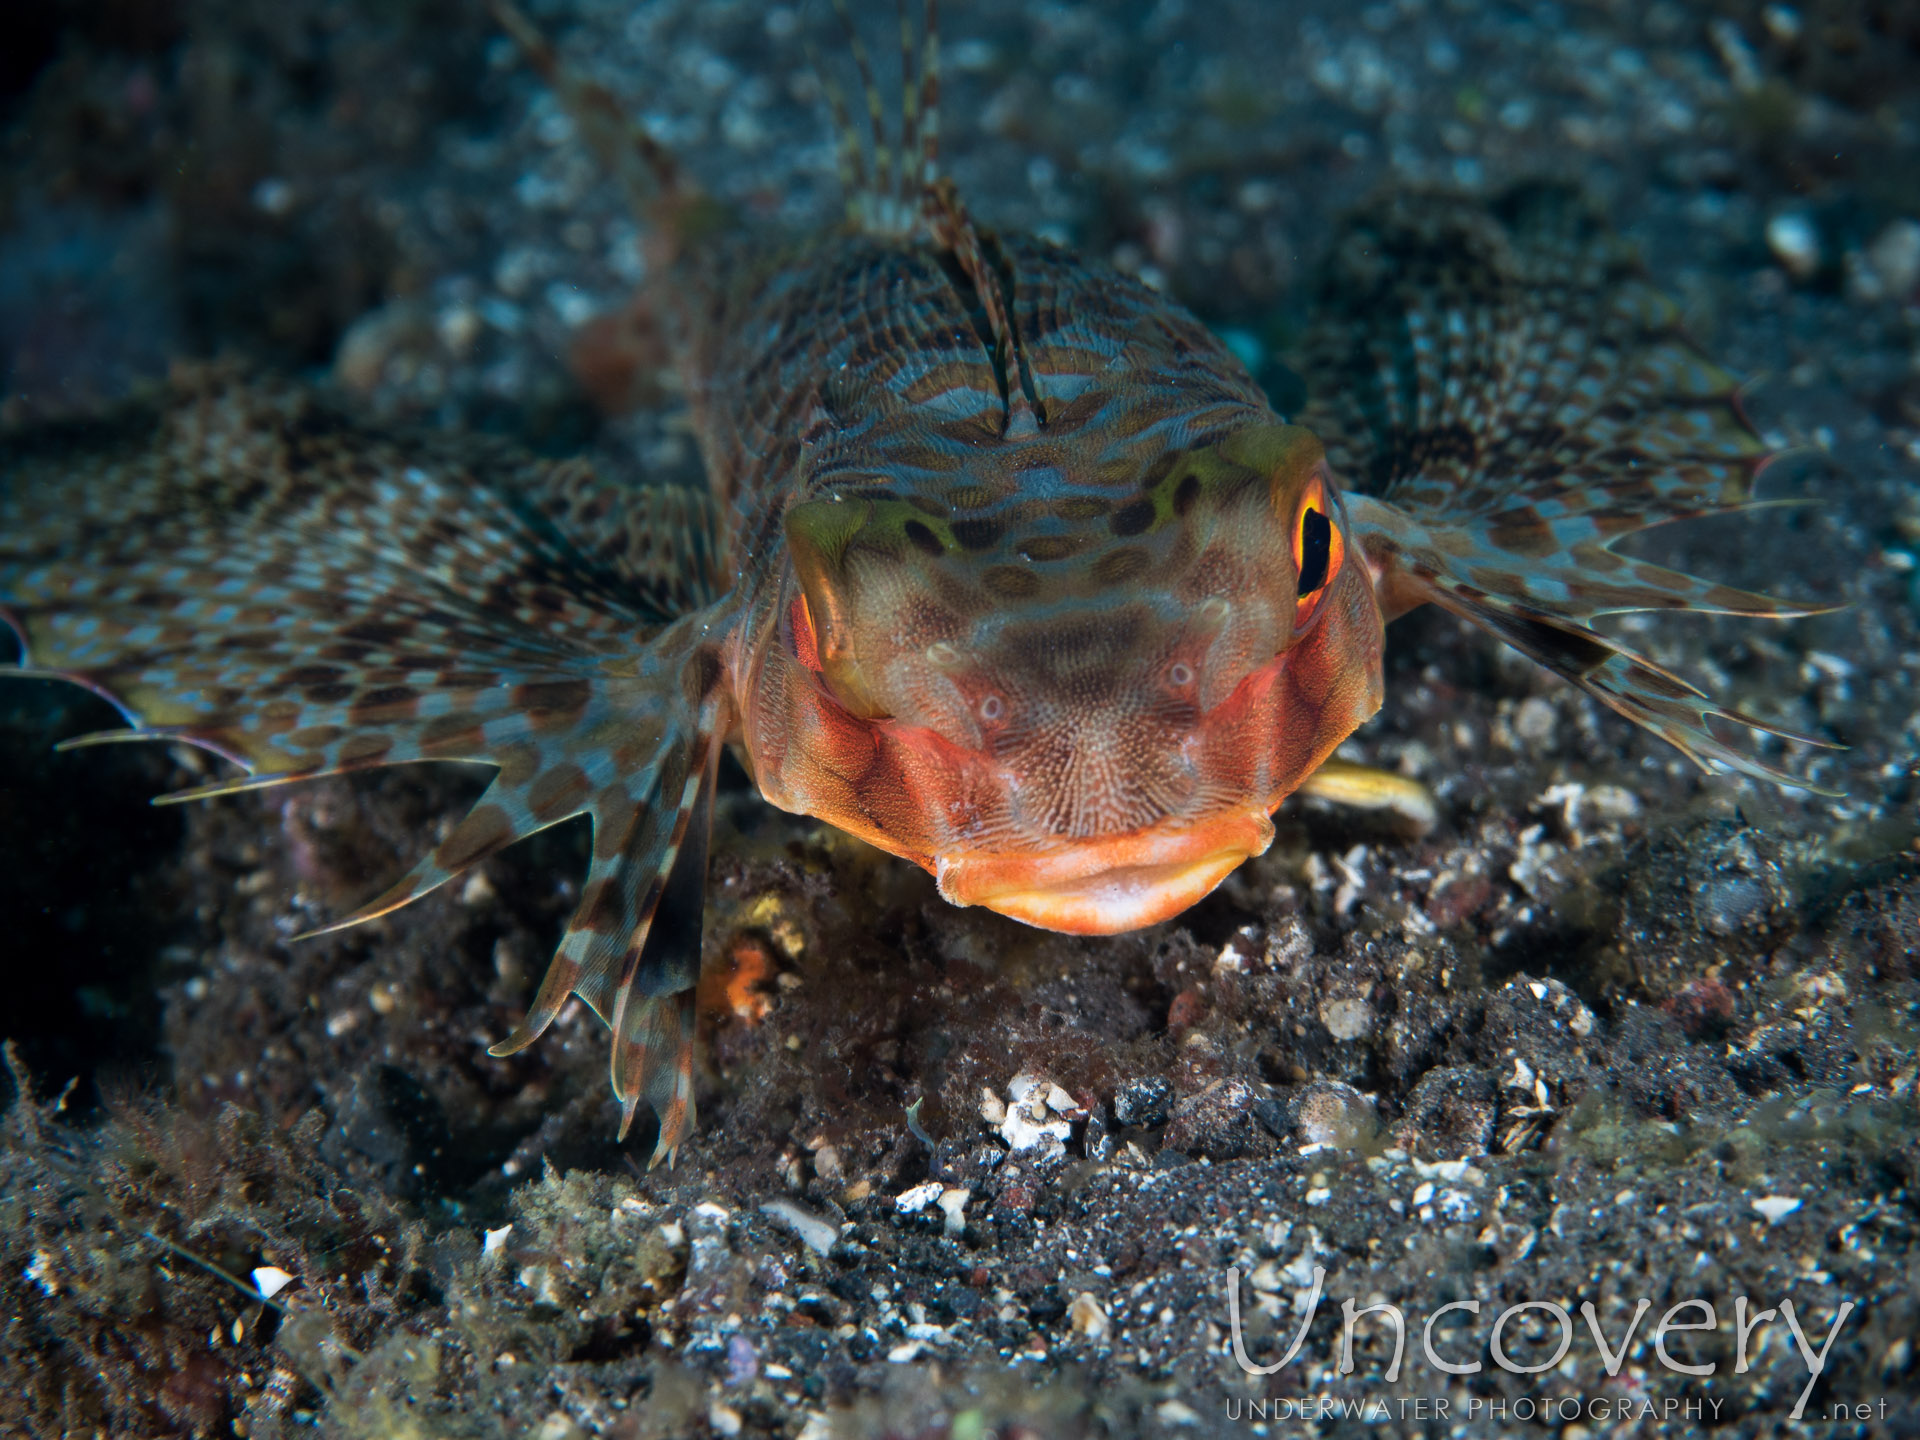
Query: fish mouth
<point x="1107" y="886"/>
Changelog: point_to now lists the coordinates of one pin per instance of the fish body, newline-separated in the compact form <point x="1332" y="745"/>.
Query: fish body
<point x="1007" y="565"/>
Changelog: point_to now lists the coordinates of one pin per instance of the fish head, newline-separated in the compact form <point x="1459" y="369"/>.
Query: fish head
<point x="1078" y="706"/>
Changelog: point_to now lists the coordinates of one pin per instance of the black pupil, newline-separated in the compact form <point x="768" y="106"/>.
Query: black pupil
<point x="1316" y="550"/>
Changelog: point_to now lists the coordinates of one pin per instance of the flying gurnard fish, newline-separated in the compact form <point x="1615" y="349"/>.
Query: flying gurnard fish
<point x="1006" y="565"/>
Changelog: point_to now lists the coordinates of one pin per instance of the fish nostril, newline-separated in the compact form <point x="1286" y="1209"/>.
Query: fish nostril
<point x="992" y="708"/>
<point x="942" y="656"/>
<point x="1181" y="674"/>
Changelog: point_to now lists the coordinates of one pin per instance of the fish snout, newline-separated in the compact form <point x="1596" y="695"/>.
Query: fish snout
<point x="1107" y="886"/>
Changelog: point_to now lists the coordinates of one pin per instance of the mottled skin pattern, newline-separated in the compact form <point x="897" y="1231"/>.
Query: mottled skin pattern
<point x="1008" y="567"/>
<point x="1005" y="633"/>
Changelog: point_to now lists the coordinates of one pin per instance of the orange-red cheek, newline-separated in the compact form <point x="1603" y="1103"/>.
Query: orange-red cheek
<point x="950" y="810"/>
<point x="904" y="792"/>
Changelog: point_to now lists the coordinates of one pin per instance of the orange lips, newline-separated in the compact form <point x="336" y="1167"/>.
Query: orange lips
<point x="1104" y="887"/>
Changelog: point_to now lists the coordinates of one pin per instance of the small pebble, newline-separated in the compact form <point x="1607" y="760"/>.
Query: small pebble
<point x="1087" y="1318"/>
<point x="1347" y="1020"/>
<point x="1535" y="721"/>
<point x="743" y="1361"/>
<point x="953" y="1203"/>
<point x="1328" y="1112"/>
<point x="1795" y="244"/>
<point x="993" y="1109"/>
<point x="816" y="1234"/>
<point x="1143" y="1102"/>
<point x="911" y="1202"/>
<point x="274" y="197"/>
<point x="1895" y="255"/>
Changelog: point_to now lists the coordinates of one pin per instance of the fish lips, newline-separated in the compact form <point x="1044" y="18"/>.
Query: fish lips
<point x="1108" y="886"/>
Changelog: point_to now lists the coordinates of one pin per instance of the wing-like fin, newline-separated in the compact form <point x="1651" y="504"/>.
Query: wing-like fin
<point x="653" y="1014"/>
<point x="1517" y="399"/>
<point x="632" y="949"/>
<point x="248" y="573"/>
<point x="1556" y="637"/>
<point x="1514" y="361"/>
<point x="663" y="544"/>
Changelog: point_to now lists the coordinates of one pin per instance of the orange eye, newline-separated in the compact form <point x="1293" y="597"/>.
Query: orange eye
<point x="1318" y="549"/>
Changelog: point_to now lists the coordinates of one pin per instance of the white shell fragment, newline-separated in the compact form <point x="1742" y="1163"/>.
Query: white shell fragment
<point x="912" y="1202"/>
<point x="1039" y="1116"/>
<point x="953" y="1204"/>
<point x="1775" y="1208"/>
<point x="270" y="1280"/>
<point x="816" y="1234"/>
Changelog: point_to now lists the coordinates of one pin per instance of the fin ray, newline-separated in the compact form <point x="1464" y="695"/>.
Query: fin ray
<point x="499" y="818"/>
<point x="96" y="738"/>
<point x="645" y="168"/>
<point x="653" y="1006"/>
<point x="632" y="948"/>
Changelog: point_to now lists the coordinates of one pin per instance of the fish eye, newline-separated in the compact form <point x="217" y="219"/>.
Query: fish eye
<point x="1318" y="549"/>
<point x="1181" y="674"/>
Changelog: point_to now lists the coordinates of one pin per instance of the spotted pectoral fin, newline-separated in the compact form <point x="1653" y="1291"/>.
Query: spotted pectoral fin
<point x="660" y="547"/>
<point x="632" y="949"/>
<point x="500" y="817"/>
<point x="1516" y="399"/>
<point x="653" y="1014"/>
<point x="248" y="572"/>
<point x="1544" y="607"/>
<point x="1647" y="694"/>
<point x="1510" y="360"/>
